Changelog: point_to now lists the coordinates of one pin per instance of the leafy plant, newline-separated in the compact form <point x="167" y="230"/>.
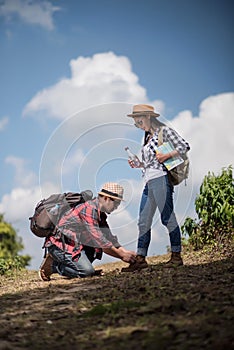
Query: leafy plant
<point x="10" y="246"/>
<point x="215" y="210"/>
<point x="9" y="265"/>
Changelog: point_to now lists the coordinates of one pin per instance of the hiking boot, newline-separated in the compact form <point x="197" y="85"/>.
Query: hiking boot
<point x="175" y="260"/>
<point x="45" y="270"/>
<point x="139" y="264"/>
<point x="98" y="272"/>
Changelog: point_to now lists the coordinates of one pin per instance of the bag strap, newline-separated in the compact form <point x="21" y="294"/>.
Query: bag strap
<point x="160" y="136"/>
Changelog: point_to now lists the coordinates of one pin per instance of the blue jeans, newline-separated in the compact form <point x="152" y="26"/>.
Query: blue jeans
<point x="65" y="266"/>
<point x="158" y="193"/>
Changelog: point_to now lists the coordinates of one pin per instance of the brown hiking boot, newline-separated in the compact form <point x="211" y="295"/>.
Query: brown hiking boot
<point x="98" y="272"/>
<point x="139" y="264"/>
<point x="175" y="260"/>
<point x="45" y="270"/>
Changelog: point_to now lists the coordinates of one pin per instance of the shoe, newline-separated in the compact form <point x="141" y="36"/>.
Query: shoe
<point x="45" y="270"/>
<point x="139" y="264"/>
<point x="174" y="261"/>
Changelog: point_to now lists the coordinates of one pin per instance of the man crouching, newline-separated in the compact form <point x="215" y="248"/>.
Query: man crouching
<point x="82" y="234"/>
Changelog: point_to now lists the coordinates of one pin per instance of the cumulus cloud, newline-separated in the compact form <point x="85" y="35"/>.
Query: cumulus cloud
<point x="17" y="206"/>
<point x="73" y="161"/>
<point x="19" y="203"/>
<point x="3" y="123"/>
<point x="23" y="176"/>
<point x="100" y="79"/>
<point x="209" y="134"/>
<point x="31" y="12"/>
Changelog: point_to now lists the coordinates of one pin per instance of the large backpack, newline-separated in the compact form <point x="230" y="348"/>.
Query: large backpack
<point x="48" y="211"/>
<point x="181" y="171"/>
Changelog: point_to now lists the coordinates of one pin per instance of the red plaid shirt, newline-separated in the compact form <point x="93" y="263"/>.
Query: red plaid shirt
<point x="84" y="225"/>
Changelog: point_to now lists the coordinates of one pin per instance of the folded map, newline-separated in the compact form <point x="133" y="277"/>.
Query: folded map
<point x="170" y="163"/>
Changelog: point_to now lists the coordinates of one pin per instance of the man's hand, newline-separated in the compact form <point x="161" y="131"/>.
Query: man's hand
<point x="128" y="256"/>
<point x="121" y="253"/>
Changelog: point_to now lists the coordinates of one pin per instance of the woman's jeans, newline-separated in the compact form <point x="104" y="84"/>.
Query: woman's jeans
<point x="158" y="193"/>
<point x="65" y="266"/>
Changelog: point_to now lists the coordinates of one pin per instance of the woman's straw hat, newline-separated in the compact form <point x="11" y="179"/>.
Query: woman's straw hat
<point x="141" y="110"/>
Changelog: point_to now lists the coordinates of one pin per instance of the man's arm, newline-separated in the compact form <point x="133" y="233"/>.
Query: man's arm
<point x="106" y="230"/>
<point x="121" y="253"/>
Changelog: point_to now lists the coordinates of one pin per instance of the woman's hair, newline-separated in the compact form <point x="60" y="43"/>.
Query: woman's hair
<point x="155" y="124"/>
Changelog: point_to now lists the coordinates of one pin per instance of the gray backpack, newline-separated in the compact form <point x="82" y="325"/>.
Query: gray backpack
<point x="48" y="211"/>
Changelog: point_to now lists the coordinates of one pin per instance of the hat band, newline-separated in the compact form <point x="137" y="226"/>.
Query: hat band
<point x="142" y="112"/>
<point x="111" y="193"/>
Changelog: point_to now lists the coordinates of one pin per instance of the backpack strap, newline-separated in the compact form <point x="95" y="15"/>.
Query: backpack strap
<point x="160" y="136"/>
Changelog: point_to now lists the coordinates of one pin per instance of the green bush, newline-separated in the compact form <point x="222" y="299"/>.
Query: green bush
<point x="10" y="246"/>
<point x="215" y="211"/>
<point x="10" y="265"/>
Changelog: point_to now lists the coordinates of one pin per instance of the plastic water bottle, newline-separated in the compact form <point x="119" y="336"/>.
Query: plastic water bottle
<point x="54" y="210"/>
<point x="133" y="157"/>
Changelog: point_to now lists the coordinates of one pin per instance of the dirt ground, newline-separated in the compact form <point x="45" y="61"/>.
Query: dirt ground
<point x="190" y="307"/>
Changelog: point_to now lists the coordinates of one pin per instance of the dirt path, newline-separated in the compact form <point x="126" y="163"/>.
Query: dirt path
<point x="190" y="307"/>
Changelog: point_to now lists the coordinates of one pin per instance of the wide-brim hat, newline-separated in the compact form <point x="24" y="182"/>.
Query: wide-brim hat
<point x="141" y="110"/>
<point x="112" y="190"/>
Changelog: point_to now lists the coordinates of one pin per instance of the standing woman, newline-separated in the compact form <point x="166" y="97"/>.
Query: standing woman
<point x="158" y="191"/>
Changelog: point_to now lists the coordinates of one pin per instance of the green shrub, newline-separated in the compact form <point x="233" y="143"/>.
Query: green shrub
<point x="215" y="211"/>
<point x="10" y="246"/>
<point x="10" y="265"/>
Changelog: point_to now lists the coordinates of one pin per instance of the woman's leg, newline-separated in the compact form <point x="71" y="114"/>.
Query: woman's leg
<point x="163" y="194"/>
<point x="146" y="214"/>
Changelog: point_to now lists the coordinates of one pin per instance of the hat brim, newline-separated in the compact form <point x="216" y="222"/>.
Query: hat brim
<point x="138" y="114"/>
<point x="110" y="195"/>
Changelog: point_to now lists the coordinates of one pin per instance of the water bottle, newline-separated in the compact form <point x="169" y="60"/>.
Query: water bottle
<point x="132" y="157"/>
<point x="54" y="210"/>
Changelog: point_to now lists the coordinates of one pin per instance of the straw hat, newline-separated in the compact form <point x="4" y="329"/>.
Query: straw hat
<point x="112" y="190"/>
<point x="140" y="110"/>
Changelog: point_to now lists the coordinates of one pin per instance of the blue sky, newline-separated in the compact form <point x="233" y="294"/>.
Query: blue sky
<point x="71" y="71"/>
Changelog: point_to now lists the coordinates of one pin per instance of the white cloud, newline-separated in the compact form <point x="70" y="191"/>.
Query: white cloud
<point x="31" y="12"/>
<point x="102" y="78"/>
<point x="210" y="135"/>
<point x="18" y="204"/>
<point x="23" y="176"/>
<point x="3" y="123"/>
<point x="73" y="161"/>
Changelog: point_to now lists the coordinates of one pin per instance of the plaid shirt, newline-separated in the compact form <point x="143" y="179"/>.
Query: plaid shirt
<point x="169" y="135"/>
<point x="84" y="225"/>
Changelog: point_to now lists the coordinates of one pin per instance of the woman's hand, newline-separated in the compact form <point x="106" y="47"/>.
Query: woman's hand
<point x="163" y="157"/>
<point x="133" y="164"/>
